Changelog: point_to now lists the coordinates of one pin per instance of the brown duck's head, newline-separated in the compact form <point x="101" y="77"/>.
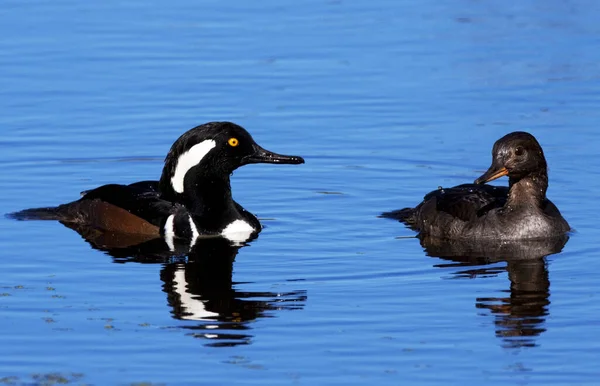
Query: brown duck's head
<point x="515" y="155"/>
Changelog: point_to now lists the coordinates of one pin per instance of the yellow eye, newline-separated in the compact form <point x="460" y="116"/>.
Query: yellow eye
<point x="233" y="142"/>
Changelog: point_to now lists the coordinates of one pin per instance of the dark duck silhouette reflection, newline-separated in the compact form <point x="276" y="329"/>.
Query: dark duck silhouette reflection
<point x="198" y="283"/>
<point x="477" y="211"/>
<point x="519" y="316"/>
<point x="202" y="290"/>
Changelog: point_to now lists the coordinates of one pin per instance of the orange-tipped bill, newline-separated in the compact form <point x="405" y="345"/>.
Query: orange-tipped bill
<point x="491" y="175"/>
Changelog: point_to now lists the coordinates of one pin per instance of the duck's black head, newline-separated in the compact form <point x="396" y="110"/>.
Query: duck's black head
<point x="516" y="155"/>
<point x="213" y="149"/>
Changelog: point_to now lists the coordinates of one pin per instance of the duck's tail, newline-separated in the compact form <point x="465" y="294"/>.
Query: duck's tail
<point x="406" y="215"/>
<point x="52" y="213"/>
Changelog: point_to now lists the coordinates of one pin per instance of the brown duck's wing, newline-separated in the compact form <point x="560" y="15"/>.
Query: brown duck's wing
<point x="467" y="202"/>
<point x="443" y="206"/>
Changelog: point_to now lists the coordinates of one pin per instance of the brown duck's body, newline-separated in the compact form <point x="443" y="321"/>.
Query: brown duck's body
<point x="479" y="211"/>
<point x="475" y="211"/>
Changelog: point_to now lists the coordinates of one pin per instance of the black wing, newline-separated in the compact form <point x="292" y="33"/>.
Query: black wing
<point x="465" y="202"/>
<point x="468" y="201"/>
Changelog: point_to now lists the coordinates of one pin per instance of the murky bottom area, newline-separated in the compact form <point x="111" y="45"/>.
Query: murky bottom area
<point x="386" y="101"/>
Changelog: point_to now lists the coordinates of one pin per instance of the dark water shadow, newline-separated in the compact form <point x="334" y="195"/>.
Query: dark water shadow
<point x="520" y="314"/>
<point x="199" y="286"/>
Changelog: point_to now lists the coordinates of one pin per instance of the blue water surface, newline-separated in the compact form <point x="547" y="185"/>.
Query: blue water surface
<point x="386" y="100"/>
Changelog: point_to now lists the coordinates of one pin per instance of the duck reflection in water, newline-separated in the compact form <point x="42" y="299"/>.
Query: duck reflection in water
<point x="519" y="316"/>
<point x="199" y="285"/>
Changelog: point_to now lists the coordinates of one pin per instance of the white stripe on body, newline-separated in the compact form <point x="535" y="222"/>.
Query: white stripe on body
<point x="195" y="233"/>
<point x="170" y="232"/>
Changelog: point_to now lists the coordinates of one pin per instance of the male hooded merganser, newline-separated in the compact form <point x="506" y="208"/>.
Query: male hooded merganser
<point x="192" y="198"/>
<point x="476" y="211"/>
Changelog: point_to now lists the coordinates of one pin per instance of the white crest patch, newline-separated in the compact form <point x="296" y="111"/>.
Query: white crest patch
<point x="194" y="307"/>
<point x="195" y="233"/>
<point x="170" y="232"/>
<point x="188" y="160"/>
<point x="238" y="231"/>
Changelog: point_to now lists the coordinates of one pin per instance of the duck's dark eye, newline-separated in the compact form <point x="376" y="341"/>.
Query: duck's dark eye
<point x="233" y="142"/>
<point x="519" y="150"/>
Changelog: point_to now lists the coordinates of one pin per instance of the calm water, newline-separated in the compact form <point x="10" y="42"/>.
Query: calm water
<point x="386" y="100"/>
